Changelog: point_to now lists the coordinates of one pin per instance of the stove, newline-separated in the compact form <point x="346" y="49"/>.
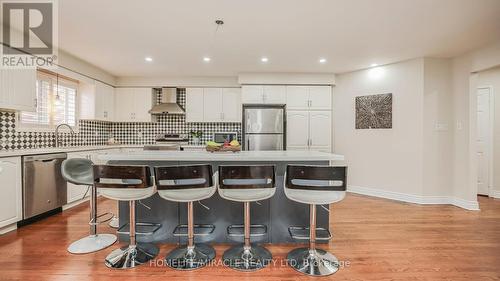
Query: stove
<point x="172" y="139"/>
<point x="168" y="142"/>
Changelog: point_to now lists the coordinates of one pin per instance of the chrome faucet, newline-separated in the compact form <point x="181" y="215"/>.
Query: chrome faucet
<point x="57" y="132"/>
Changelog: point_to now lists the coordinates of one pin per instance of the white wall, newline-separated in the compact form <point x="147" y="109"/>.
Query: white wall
<point x="463" y="84"/>
<point x="491" y="78"/>
<point x="437" y="128"/>
<point x="383" y="159"/>
<point x="82" y="70"/>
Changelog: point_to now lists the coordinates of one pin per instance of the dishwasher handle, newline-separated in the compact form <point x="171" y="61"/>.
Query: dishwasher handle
<point x="45" y="157"/>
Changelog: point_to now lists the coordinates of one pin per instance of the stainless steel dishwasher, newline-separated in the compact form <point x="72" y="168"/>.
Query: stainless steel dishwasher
<point x="44" y="188"/>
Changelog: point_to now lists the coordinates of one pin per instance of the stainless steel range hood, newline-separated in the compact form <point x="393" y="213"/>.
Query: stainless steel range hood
<point x="168" y="104"/>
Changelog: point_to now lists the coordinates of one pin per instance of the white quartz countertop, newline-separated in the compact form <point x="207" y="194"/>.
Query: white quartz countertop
<point x="242" y="156"/>
<point x="35" y="151"/>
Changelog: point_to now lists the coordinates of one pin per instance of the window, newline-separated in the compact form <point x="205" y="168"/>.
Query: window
<point x="56" y="102"/>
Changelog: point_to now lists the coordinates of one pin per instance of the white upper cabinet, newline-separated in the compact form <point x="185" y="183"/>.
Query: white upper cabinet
<point x="194" y="105"/>
<point x="18" y="89"/>
<point x="274" y="94"/>
<point x="105" y="101"/>
<point x="133" y="104"/>
<point x="297" y="97"/>
<point x="97" y="101"/>
<point x="309" y="97"/>
<point x="252" y="94"/>
<point x="320" y="97"/>
<point x="231" y="104"/>
<point x="268" y="94"/>
<point x="11" y="189"/>
<point x="213" y="105"/>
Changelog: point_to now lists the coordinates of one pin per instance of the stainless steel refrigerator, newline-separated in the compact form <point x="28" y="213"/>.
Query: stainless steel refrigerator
<point x="264" y="127"/>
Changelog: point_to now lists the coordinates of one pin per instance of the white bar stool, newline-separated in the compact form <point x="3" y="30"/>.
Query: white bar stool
<point x="187" y="184"/>
<point x="127" y="183"/>
<point x="246" y="184"/>
<point x="79" y="171"/>
<point x="314" y="185"/>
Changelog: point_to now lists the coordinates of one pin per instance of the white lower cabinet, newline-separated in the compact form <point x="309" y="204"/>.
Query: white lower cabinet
<point x="309" y="130"/>
<point x="11" y="209"/>
<point x="76" y="192"/>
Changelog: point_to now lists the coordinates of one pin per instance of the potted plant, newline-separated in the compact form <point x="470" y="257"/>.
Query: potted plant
<point x="196" y="135"/>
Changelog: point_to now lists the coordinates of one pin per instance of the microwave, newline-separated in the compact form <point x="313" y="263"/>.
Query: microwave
<point x="220" y="137"/>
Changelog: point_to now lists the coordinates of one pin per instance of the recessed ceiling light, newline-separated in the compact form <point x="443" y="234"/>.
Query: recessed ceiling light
<point x="322" y="60"/>
<point x="148" y="59"/>
<point x="373" y="65"/>
<point x="264" y="59"/>
<point x="206" y="59"/>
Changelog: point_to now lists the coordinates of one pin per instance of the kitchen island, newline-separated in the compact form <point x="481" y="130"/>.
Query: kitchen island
<point x="277" y="213"/>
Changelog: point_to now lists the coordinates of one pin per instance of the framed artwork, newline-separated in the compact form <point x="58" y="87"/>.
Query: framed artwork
<point x="374" y="112"/>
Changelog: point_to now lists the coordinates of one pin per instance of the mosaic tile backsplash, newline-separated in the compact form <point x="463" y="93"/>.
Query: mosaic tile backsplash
<point x="93" y="133"/>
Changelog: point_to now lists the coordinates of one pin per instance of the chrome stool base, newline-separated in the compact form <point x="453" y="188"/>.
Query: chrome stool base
<point x="114" y="222"/>
<point x="313" y="262"/>
<point x="92" y="243"/>
<point x="255" y="258"/>
<point x="184" y="258"/>
<point x="131" y="256"/>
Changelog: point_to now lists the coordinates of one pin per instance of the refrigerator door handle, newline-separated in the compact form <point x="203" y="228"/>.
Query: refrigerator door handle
<point x="248" y="143"/>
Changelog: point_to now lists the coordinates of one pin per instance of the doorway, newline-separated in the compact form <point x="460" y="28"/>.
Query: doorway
<point x="484" y="140"/>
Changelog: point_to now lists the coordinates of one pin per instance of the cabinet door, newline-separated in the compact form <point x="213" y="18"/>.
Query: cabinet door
<point x="231" y="104"/>
<point x="274" y="94"/>
<point x="142" y="104"/>
<point x="124" y="105"/>
<point x="321" y="132"/>
<point x="297" y="130"/>
<point x="252" y="94"/>
<point x="18" y="88"/>
<point x="212" y="105"/>
<point x="297" y="97"/>
<point x="106" y="98"/>
<point x="100" y="97"/>
<point x="320" y="97"/>
<point x="11" y="199"/>
<point x="76" y="192"/>
<point x="194" y="105"/>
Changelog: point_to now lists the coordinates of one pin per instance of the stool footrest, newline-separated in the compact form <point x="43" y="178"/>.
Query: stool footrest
<point x="199" y="230"/>
<point x="238" y="230"/>
<point x="302" y="233"/>
<point x="141" y="228"/>
<point x="99" y="220"/>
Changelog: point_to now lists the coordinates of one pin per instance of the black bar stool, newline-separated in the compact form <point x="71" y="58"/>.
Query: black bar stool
<point x="314" y="185"/>
<point x="246" y="184"/>
<point x="79" y="171"/>
<point x="187" y="184"/>
<point x="127" y="183"/>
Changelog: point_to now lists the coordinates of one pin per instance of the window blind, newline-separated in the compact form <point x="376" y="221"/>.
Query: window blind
<point x="56" y="102"/>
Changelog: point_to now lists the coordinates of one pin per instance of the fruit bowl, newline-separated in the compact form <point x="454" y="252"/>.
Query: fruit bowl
<point x="232" y="148"/>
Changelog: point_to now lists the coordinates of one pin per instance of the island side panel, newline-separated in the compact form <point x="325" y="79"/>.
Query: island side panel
<point x="278" y="212"/>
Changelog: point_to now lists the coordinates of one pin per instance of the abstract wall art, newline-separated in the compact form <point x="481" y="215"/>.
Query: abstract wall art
<point x="374" y="112"/>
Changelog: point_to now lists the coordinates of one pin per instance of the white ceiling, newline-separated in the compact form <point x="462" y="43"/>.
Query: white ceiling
<point x="116" y="35"/>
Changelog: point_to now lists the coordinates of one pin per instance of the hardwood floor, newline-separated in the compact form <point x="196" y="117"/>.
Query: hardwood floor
<point x="377" y="239"/>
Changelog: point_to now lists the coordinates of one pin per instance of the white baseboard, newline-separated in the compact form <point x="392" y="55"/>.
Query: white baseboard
<point x="8" y="228"/>
<point x="495" y="194"/>
<point x="411" y="198"/>
<point x="75" y="203"/>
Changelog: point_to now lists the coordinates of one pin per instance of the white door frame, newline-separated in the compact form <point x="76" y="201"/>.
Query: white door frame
<point x="491" y="130"/>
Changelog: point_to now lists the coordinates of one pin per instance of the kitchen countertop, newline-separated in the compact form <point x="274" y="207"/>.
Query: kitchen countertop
<point x="35" y="151"/>
<point x="243" y="156"/>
